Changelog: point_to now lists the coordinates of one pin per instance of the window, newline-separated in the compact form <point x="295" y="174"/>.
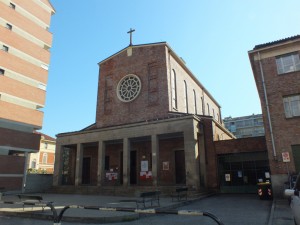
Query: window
<point x="46" y="145"/>
<point x="185" y="98"/>
<point x="195" y="102"/>
<point x="129" y="88"/>
<point x="203" y="106"/>
<point x="288" y="63"/>
<point x="8" y="26"/>
<point x="208" y="112"/>
<point x="11" y="5"/>
<point x="33" y="164"/>
<point x="45" y="158"/>
<point x="2" y="71"/>
<point x="45" y="67"/>
<point x="174" y="89"/>
<point x="5" y="48"/>
<point x="292" y="106"/>
<point x="42" y="87"/>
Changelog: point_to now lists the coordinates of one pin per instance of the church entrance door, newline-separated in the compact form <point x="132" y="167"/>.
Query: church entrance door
<point x="180" y="167"/>
<point x="86" y="170"/>
<point x="133" y="167"/>
<point x="121" y="167"/>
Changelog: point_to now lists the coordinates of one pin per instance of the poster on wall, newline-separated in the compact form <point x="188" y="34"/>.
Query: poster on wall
<point x="145" y="175"/>
<point x="285" y="156"/>
<point x="227" y="177"/>
<point x="166" y="166"/>
<point x="240" y="174"/>
<point x="111" y="176"/>
<point x="144" y="166"/>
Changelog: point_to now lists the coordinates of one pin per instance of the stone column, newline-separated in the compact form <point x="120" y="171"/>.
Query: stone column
<point x="78" y="171"/>
<point x="202" y="160"/>
<point x="155" y="159"/>
<point x="126" y="162"/>
<point x="58" y="165"/>
<point x="101" y="161"/>
<point x="191" y="158"/>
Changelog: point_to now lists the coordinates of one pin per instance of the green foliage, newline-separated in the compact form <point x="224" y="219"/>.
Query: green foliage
<point x="36" y="171"/>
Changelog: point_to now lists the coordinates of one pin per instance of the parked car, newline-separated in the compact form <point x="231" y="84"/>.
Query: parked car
<point x="290" y="184"/>
<point x="295" y="200"/>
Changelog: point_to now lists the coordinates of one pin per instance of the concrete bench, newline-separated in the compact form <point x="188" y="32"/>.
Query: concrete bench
<point x="2" y="191"/>
<point x="180" y="193"/>
<point x="31" y="200"/>
<point x="151" y="196"/>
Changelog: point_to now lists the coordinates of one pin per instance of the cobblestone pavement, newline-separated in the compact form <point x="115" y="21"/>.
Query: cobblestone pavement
<point x="230" y="209"/>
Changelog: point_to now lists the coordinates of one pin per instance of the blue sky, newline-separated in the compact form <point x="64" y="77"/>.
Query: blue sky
<point x="213" y="37"/>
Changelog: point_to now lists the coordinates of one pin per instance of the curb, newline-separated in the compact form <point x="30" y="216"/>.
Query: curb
<point x="101" y="219"/>
<point x="110" y="219"/>
<point x="270" y="222"/>
<point x="184" y="203"/>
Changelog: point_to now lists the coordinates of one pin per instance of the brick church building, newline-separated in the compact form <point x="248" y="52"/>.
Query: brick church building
<point x="155" y="127"/>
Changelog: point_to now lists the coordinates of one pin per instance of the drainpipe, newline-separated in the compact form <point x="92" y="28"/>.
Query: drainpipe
<point x="267" y="105"/>
<point x="25" y="173"/>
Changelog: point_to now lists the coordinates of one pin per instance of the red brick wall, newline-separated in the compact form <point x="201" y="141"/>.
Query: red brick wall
<point x="252" y="144"/>
<point x="183" y="75"/>
<point x="93" y="153"/>
<point x="210" y="153"/>
<point x="145" y="61"/>
<point x="167" y="154"/>
<point x="114" y="153"/>
<point x="21" y="66"/>
<point x="28" y="25"/>
<point x="143" y="150"/>
<point x="19" y="139"/>
<point x="286" y="131"/>
<point x="35" y="10"/>
<point x="16" y="41"/>
<point x="11" y="165"/>
<point x="21" y="90"/>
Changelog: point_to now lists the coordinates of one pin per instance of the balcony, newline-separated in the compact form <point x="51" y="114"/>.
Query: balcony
<point x="18" y="139"/>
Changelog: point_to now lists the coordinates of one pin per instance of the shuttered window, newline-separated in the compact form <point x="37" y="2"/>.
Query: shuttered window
<point x="288" y="63"/>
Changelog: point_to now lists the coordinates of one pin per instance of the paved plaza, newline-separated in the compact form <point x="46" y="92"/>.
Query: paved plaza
<point x="230" y="209"/>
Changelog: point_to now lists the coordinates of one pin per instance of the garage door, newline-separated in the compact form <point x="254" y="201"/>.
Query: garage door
<point x="240" y="172"/>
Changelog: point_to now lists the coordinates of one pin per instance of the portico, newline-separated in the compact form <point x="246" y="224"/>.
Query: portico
<point x="150" y="153"/>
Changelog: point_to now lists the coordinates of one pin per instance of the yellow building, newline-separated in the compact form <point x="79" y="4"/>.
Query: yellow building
<point x="43" y="161"/>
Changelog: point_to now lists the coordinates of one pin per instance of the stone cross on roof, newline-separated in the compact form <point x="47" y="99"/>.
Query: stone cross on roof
<point x="130" y="32"/>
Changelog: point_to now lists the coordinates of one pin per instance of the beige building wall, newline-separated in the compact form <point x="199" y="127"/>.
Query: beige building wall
<point x="43" y="161"/>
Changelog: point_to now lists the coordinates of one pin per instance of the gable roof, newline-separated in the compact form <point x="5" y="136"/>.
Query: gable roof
<point x="281" y="41"/>
<point x="179" y="60"/>
<point x="131" y="46"/>
<point x="45" y="136"/>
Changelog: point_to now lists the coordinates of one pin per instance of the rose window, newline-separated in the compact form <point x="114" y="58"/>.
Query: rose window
<point x="129" y="88"/>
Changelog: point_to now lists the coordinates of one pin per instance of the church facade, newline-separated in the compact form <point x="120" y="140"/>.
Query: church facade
<point x="155" y="126"/>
